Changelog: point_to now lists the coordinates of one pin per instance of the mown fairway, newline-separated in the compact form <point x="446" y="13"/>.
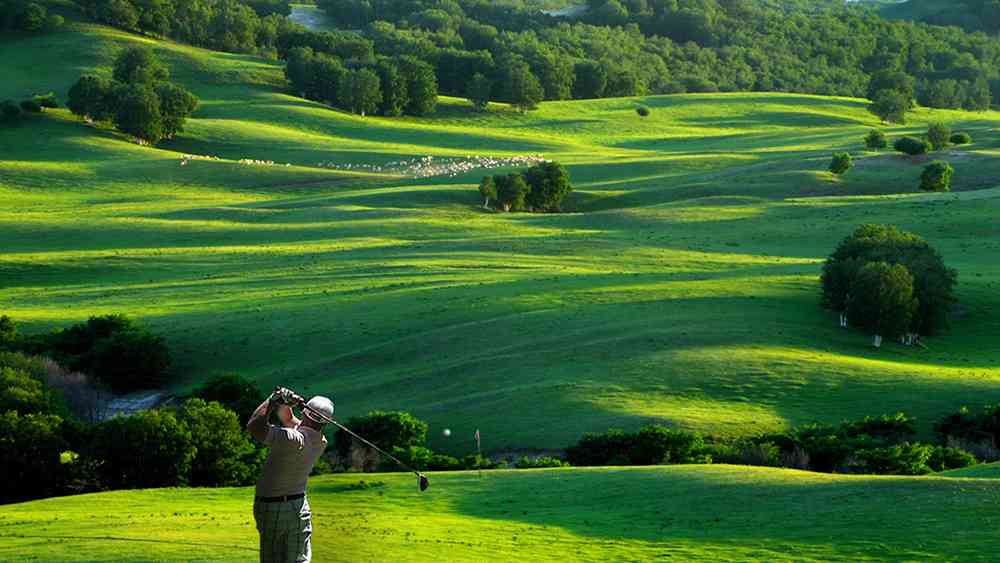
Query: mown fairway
<point x="681" y="286"/>
<point x="681" y="513"/>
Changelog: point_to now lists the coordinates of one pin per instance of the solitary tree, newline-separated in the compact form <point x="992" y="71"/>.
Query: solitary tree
<point x="487" y="189"/>
<point x="890" y="105"/>
<point x="479" y="91"/>
<point x="936" y="177"/>
<point x="875" y="140"/>
<point x="840" y="163"/>
<point x="938" y="134"/>
<point x="881" y="300"/>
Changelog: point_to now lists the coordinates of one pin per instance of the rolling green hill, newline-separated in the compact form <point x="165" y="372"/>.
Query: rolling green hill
<point x="981" y="471"/>
<point x="689" y="513"/>
<point x="680" y="287"/>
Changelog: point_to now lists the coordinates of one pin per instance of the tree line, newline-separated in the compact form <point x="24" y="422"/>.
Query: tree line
<point x="31" y="17"/>
<point x="623" y="48"/>
<point x="138" y="99"/>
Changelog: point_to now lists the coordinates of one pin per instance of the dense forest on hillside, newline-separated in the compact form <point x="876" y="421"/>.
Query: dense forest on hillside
<point x="614" y="48"/>
<point x="972" y="15"/>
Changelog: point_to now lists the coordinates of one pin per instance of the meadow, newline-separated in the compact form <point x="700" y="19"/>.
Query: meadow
<point x="686" y="513"/>
<point x="680" y="285"/>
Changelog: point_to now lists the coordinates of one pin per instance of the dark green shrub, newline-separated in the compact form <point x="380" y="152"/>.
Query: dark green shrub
<point x="901" y="459"/>
<point x="539" y="462"/>
<point x="912" y="146"/>
<point x="30" y="447"/>
<point x="610" y="448"/>
<point x="31" y="106"/>
<point x="944" y="458"/>
<point x="8" y="333"/>
<point x="387" y="429"/>
<point x="938" y="135"/>
<point x="548" y="183"/>
<point x="936" y="177"/>
<point x="146" y="449"/>
<point x="960" y="139"/>
<point x="876" y="140"/>
<point x="234" y="392"/>
<point x="887" y="429"/>
<point x="9" y="111"/>
<point x="655" y="445"/>
<point x="840" y="163"/>
<point x="47" y="100"/>
<point x="224" y="455"/>
<point x="643" y="111"/>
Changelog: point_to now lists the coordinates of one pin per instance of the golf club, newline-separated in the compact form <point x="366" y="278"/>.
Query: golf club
<point x="289" y="397"/>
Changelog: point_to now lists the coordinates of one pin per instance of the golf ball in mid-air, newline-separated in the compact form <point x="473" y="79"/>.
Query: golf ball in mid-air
<point x="446" y="432"/>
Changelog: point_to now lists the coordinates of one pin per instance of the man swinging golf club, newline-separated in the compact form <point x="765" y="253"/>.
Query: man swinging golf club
<point x="281" y="509"/>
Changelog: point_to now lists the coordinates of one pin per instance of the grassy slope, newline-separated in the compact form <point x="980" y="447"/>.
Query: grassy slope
<point x="682" y="290"/>
<point x="981" y="471"/>
<point x="711" y="513"/>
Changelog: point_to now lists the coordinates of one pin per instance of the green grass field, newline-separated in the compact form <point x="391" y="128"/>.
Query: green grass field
<point x="680" y="287"/>
<point x="680" y="513"/>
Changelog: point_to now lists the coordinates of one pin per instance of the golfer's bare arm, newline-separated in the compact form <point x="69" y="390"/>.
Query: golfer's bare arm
<point x="257" y="426"/>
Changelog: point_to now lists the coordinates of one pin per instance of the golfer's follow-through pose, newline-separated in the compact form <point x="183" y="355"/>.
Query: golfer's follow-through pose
<point x="280" y="508"/>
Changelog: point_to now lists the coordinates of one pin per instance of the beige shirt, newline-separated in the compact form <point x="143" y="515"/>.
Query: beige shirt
<point x="291" y="456"/>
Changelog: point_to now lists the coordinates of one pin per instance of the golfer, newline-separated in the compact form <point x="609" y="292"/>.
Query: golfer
<point x="281" y="510"/>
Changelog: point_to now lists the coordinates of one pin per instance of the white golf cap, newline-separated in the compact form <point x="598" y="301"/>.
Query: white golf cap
<point x="320" y="405"/>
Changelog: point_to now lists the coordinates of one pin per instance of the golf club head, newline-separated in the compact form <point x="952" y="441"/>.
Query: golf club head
<point x="422" y="483"/>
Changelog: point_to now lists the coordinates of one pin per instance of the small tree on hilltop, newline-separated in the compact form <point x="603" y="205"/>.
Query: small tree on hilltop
<point x="890" y="105"/>
<point x="511" y="191"/>
<point x="488" y="190"/>
<point x="936" y="177"/>
<point x="840" y="163"/>
<point x="938" y="134"/>
<point x="881" y="300"/>
<point x="912" y="146"/>
<point x="875" y="140"/>
<point x="479" y="91"/>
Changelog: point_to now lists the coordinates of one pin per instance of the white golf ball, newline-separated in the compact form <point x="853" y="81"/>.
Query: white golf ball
<point x="446" y="432"/>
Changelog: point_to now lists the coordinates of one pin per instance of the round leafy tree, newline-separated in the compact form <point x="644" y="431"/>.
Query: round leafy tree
<point x="938" y="135"/>
<point x="840" y="163"/>
<point x="961" y="139"/>
<point x="875" y="140"/>
<point x="912" y="146"/>
<point x="881" y="300"/>
<point x="936" y="177"/>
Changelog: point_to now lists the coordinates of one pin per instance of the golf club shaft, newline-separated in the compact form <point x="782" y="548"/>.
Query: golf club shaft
<point x="329" y="420"/>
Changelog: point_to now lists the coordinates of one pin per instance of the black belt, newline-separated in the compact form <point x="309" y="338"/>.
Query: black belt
<point x="281" y="499"/>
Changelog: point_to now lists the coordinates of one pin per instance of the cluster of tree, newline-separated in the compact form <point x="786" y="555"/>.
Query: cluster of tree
<point x="972" y="15"/>
<point x="10" y="110"/>
<point x="51" y="446"/>
<point x="874" y="445"/>
<point x="138" y="99"/>
<point x="978" y="433"/>
<point x="539" y="188"/>
<point x="18" y="15"/>
<point x="890" y="283"/>
<point x="666" y="46"/>
<point x="389" y="86"/>
<point x="113" y="349"/>
<point x="248" y="26"/>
